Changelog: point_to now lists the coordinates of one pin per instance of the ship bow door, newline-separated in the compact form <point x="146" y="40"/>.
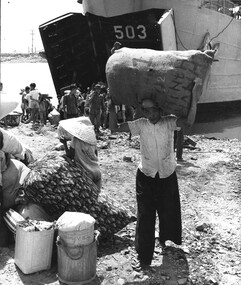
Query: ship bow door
<point x="167" y="29"/>
<point x="69" y="50"/>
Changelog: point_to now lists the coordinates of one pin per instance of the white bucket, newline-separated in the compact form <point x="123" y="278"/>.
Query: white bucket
<point x="33" y="250"/>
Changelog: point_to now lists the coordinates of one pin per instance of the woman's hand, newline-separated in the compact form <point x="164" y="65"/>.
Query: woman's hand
<point x="62" y="139"/>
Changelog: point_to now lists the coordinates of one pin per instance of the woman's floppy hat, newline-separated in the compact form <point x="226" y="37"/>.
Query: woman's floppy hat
<point x="80" y="128"/>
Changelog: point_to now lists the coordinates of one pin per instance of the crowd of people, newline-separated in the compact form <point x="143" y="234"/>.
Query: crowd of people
<point x="35" y="106"/>
<point x="93" y="102"/>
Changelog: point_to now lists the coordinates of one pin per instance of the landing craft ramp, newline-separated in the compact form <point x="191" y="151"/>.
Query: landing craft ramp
<point x="77" y="46"/>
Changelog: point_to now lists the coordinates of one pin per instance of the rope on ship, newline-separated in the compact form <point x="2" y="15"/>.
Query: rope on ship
<point x="222" y="30"/>
<point x="177" y="35"/>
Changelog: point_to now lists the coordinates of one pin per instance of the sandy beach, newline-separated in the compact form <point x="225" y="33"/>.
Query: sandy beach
<point x="210" y="189"/>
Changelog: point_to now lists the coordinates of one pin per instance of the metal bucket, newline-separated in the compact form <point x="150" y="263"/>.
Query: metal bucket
<point x="78" y="237"/>
<point x="76" y="263"/>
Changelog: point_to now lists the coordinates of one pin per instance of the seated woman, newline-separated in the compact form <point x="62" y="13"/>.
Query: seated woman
<point x="82" y="149"/>
<point x="12" y="170"/>
<point x="12" y="175"/>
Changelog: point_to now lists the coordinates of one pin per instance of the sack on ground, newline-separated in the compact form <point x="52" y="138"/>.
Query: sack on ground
<point x="54" y="117"/>
<point x="59" y="185"/>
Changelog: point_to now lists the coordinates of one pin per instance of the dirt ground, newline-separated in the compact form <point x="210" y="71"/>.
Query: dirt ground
<point x="210" y="189"/>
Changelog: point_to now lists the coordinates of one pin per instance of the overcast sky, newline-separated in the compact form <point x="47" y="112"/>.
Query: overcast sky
<point x="21" y="18"/>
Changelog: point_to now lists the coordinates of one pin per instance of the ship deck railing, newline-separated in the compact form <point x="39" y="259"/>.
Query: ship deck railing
<point x="222" y="6"/>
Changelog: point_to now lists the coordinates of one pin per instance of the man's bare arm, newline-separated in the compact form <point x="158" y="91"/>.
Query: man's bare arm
<point x="113" y="125"/>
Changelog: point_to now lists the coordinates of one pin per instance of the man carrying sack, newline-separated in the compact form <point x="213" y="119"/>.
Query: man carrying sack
<point x="156" y="180"/>
<point x="162" y="84"/>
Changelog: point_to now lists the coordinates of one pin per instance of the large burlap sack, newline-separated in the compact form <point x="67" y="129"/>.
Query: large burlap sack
<point x="174" y="79"/>
<point x="59" y="185"/>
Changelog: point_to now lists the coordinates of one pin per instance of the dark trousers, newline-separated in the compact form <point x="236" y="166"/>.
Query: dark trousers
<point x="95" y="119"/>
<point x="178" y="143"/>
<point x="43" y="117"/>
<point x="161" y="196"/>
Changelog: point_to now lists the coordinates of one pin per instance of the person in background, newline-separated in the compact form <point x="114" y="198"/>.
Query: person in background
<point x="95" y="103"/>
<point x="129" y="115"/>
<point x="103" y="93"/>
<point x="80" y="101"/>
<point x="25" y="103"/>
<point x="87" y="92"/>
<point x="87" y="96"/>
<point x="34" y="103"/>
<point x="118" y="110"/>
<point x="44" y="107"/>
<point x="61" y="106"/>
<point x="107" y="109"/>
<point x="28" y="111"/>
<point x="156" y="180"/>
<point x="70" y="104"/>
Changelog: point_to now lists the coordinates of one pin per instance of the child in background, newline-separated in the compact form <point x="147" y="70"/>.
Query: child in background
<point x="42" y="111"/>
<point x="44" y="108"/>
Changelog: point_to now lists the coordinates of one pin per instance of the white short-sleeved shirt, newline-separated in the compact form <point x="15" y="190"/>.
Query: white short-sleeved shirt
<point x="34" y="94"/>
<point x="157" y="145"/>
<point x="28" y="98"/>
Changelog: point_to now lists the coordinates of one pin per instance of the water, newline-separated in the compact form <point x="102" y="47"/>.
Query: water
<point x="18" y="75"/>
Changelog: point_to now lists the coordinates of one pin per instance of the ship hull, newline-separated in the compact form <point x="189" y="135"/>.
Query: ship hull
<point x="105" y="22"/>
<point x="192" y="21"/>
